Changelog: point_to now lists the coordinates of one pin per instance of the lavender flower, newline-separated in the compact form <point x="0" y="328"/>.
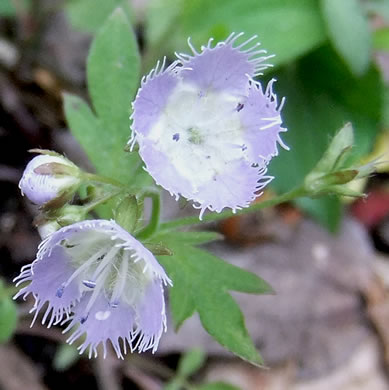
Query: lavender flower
<point x="206" y="129"/>
<point x="104" y="283"/>
<point x="47" y="177"/>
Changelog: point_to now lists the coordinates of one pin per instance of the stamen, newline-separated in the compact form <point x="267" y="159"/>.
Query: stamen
<point x="79" y="270"/>
<point x="96" y="292"/>
<point x="239" y="107"/>
<point x="89" y="283"/>
<point x="106" y="260"/>
<point x="121" y="280"/>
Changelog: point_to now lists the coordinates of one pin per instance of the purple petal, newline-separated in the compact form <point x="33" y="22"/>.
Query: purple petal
<point x="151" y="317"/>
<point x="236" y="188"/>
<point x="223" y="67"/>
<point x="152" y="97"/>
<point x="104" y="323"/>
<point x="46" y="275"/>
<point x="260" y="116"/>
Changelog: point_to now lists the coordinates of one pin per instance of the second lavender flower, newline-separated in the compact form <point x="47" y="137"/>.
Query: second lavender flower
<point x="206" y="129"/>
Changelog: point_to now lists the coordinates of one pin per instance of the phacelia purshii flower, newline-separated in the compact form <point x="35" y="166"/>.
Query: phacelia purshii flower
<point x="48" y="177"/>
<point x="206" y="129"/>
<point x="97" y="278"/>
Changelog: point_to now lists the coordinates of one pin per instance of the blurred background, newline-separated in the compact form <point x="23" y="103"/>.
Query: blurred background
<point x="327" y="259"/>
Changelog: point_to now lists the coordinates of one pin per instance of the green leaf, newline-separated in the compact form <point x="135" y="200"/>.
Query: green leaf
<point x="381" y="39"/>
<point x="87" y="130"/>
<point x="217" y="386"/>
<point x="286" y="28"/>
<point x="65" y="356"/>
<point x="349" y="31"/>
<point x="7" y="8"/>
<point x="190" y="237"/>
<point x="322" y="95"/>
<point x="191" y="362"/>
<point x="8" y="318"/>
<point x="89" y="15"/>
<point x="113" y="72"/>
<point x="174" y="384"/>
<point x="201" y="282"/>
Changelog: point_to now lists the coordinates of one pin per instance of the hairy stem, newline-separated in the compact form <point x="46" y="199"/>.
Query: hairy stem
<point x="293" y="194"/>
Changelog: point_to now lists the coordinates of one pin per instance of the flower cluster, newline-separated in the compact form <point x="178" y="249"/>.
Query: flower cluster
<point x="206" y="129"/>
<point x="104" y="283"/>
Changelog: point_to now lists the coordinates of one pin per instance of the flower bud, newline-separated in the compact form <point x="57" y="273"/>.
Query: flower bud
<point x="335" y="173"/>
<point x="47" y="228"/>
<point x="48" y="177"/>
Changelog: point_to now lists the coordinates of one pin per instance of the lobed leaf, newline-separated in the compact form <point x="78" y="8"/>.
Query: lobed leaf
<point x="201" y="282"/>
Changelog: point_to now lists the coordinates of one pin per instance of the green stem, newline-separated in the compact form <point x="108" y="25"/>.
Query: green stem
<point x="92" y="205"/>
<point x="293" y="194"/>
<point x="153" y="224"/>
<point x="103" y="180"/>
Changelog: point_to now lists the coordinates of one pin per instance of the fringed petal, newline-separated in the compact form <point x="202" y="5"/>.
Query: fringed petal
<point x="260" y="116"/>
<point x="46" y="275"/>
<point x="225" y="66"/>
<point x="104" y="323"/>
<point x="151" y="317"/>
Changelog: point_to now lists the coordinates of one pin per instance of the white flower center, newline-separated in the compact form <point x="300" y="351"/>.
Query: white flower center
<point x="104" y="267"/>
<point x="201" y="132"/>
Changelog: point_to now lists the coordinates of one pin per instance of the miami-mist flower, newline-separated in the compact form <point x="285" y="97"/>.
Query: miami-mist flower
<point x="206" y="129"/>
<point x="97" y="278"/>
<point x="48" y="177"/>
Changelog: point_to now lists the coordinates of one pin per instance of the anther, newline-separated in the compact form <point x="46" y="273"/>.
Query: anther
<point x="89" y="283"/>
<point x="60" y="291"/>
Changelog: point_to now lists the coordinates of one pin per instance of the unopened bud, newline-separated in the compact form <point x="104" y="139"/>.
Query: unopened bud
<point x="48" y="177"/>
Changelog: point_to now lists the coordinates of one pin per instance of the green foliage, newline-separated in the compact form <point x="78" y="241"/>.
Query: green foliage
<point x="65" y="356"/>
<point x="8" y="314"/>
<point x="286" y="28"/>
<point x="201" y="282"/>
<point x="8" y="9"/>
<point x="349" y="31"/>
<point x="322" y="95"/>
<point x="113" y="74"/>
<point x="381" y="39"/>
<point x="8" y="318"/>
<point x="89" y="15"/>
<point x="188" y="364"/>
<point x="191" y="362"/>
